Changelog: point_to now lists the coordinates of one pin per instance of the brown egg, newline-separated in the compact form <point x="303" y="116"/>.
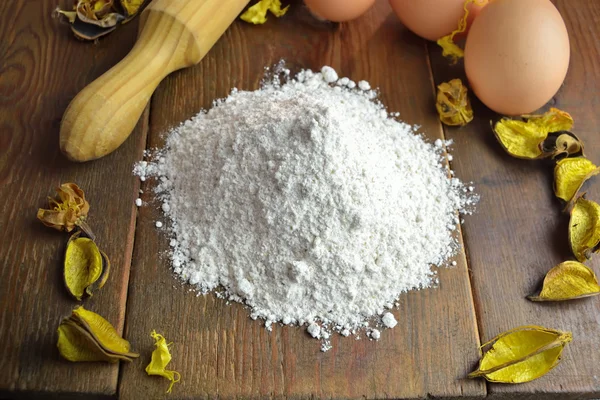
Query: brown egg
<point x="517" y="55"/>
<point x="432" y="19"/>
<point x="338" y="10"/>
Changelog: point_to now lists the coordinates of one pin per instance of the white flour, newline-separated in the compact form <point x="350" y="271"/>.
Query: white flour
<point x="308" y="203"/>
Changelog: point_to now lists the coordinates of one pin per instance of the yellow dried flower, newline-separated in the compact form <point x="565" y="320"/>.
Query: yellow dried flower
<point x="103" y="332"/>
<point x="86" y="336"/>
<point x="584" y="228"/>
<point x="91" y="19"/>
<point x="161" y="356"/>
<point x="257" y="14"/>
<point x="521" y="354"/>
<point x="85" y="267"/>
<point x="570" y="174"/>
<point x="567" y="281"/>
<point x="131" y="7"/>
<point x="453" y="104"/>
<point x="449" y="48"/>
<point x="528" y="138"/>
<point x="67" y="211"/>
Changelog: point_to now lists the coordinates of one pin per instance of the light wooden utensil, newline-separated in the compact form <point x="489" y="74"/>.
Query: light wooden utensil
<point x="174" y="34"/>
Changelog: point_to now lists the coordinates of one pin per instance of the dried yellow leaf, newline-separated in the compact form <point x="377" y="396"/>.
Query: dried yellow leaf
<point x="67" y="211"/>
<point x="453" y="104"/>
<point x="83" y="266"/>
<point x="570" y="174"/>
<point x="521" y="354"/>
<point x="525" y="138"/>
<point x="567" y="281"/>
<point x="161" y="356"/>
<point x="257" y="14"/>
<point x="584" y="228"/>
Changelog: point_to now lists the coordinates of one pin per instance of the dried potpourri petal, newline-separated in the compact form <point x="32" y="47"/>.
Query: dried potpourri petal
<point x="161" y="356"/>
<point x="66" y="212"/>
<point x="83" y="265"/>
<point x="70" y="15"/>
<point x="75" y="345"/>
<point x="521" y="354"/>
<point x="103" y="332"/>
<point x="103" y="277"/>
<point x="525" y="138"/>
<point x="584" y="228"/>
<point x="257" y="14"/>
<point x="569" y="176"/>
<point x="131" y="7"/>
<point x="97" y="12"/>
<point x="562" y="144"/>
<point x="86" y="336"/>
<point x="91" y="19"/>
<point x="449" y="48"/>
<point x="553" y="120"/>
<point x="453" y="104"/>
<point x="567" y="281"/>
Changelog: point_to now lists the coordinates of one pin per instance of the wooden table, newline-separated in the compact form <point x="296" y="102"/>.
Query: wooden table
<point x="517" y="234"/>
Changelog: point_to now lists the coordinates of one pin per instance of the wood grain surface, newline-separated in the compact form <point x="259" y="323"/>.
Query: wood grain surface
<point x="218" y="349"/>
<point x="41" y="68"/>
<point x="516" y="236"/>
<point x="519" y="231"/>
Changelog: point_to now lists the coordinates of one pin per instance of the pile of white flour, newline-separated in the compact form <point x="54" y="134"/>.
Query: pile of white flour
<point x="308" y="202"/>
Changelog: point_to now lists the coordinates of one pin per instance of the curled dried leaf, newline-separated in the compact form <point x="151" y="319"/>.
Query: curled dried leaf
<point x="584" y="228"/>
<point x="83" y="266"/>
<point x="86" y="336"/>
<point x="257" y="14"/>
<point x="103" y="332"/>
<point x="161" y="356"/>
<point x="567" y="281"/>
<point x="453" y="104"/>
<point x="569" y="176"/>
<point x="521" y="354"/>
<point x="67" y="211"/>
<point x="524" y="138"/>
<point x="76" y="346"/>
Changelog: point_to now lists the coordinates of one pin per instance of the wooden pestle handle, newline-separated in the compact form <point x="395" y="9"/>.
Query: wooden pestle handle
<point x="175" y="34"/>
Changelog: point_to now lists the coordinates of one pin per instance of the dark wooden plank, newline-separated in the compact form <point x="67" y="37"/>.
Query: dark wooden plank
<point x="519" y="232"/>
<point x="217" y="348"/>
<point x="41" y="68"/>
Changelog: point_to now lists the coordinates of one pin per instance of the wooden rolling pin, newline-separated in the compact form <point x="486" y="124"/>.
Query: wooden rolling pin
<point x="175" y="34"/>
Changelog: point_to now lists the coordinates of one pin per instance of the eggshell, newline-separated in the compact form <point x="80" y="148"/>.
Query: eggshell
<point x="433" y="19"/>
<point x="338" y="10"/>
<point x="517" y="55"/>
